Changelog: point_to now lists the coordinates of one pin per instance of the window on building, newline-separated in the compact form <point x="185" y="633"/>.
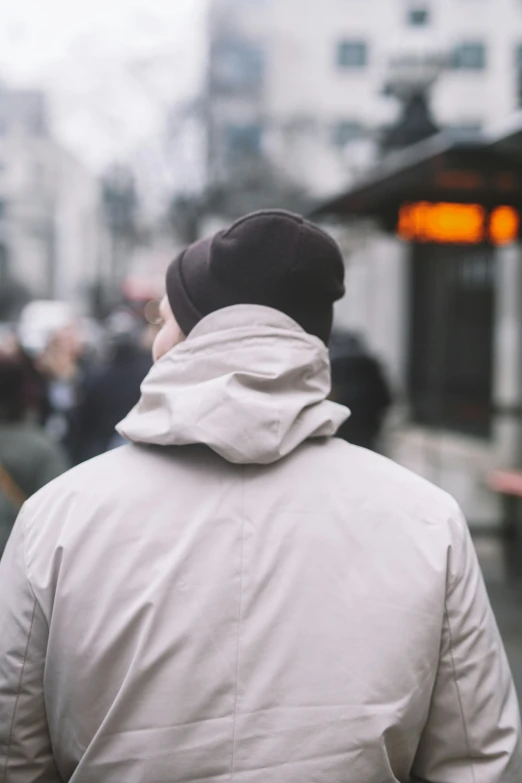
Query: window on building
<point x="36" y="125"/>
<point x="518" y="66"/>
<point x="467" y="128"/>
<point x="346" y="131"/>
<point x="469" y="56"/>
<point x="418" y="17"/>
<point x="4" y="263"/>
<point x="352" y="54"/>
<point x="243" y="142"/>
<point x="451" y="327"/>
<point x="238" y="65"/>
<point x="38" y="174"/>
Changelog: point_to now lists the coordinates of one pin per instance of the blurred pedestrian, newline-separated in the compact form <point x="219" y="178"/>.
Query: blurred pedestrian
<point x="61" y="364"/>
<point x="240" y="595"/>
<point x="358" y="382"/>
<point x="56" y="365"/>
<point x="113" y="389"/>
<point x="29" y="459"/>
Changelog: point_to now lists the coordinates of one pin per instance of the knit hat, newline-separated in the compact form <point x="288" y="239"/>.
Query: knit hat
<point x="272" y="258"/>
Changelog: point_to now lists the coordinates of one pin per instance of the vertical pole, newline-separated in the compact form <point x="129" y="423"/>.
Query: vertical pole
<point x="507" y="389"/>
<point x="51" y="254"/>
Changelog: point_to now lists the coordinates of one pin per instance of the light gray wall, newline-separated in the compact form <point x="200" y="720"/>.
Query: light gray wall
<point x="375" y="304"/>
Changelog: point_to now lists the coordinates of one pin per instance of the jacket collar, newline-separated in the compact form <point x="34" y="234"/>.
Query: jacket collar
<point x="248" y="382"/>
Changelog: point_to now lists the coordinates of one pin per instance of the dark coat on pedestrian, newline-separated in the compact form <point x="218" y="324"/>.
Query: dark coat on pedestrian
<point x="108" y="397"/>
<point x="29" y="458"/>
<point x="358" y="382"/>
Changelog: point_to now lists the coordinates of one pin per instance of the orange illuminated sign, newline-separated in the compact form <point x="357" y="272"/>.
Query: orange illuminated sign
<point x="457" y="224"/>
<point x="504" y="223"/>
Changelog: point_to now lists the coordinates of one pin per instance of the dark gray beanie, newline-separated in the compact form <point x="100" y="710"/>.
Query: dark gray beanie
<point x="272" y="258"/>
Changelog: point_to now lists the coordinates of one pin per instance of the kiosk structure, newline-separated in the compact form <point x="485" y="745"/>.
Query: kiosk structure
<point x="435" y="284"/>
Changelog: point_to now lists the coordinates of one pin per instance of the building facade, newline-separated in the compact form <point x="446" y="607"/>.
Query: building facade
<point x="50" y="219"/>
<point x="304" y="86"/>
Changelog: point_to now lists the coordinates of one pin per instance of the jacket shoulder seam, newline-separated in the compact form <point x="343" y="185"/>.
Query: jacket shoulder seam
<point x="28" y="574"/>
<point x="458" y="518"/>
<point x="457" y="689"/>
<point x="11" y="730"/>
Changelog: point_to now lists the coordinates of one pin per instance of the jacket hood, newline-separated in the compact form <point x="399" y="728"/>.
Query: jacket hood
<point x="248" y="382"/>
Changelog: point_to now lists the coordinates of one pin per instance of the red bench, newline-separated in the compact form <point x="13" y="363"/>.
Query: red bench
<point x="508" y="484"/>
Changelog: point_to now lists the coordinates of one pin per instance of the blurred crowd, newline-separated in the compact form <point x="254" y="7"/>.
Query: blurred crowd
<point x="65" y="382"/>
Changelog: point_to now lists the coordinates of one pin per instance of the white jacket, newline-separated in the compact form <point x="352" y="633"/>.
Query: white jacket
<point x="247" y="598"/>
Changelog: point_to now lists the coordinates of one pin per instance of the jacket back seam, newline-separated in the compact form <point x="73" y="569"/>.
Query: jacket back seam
<point x="240" y="607"/>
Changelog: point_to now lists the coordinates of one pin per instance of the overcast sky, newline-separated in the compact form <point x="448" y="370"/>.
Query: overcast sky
<point x="111" y="66"/>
